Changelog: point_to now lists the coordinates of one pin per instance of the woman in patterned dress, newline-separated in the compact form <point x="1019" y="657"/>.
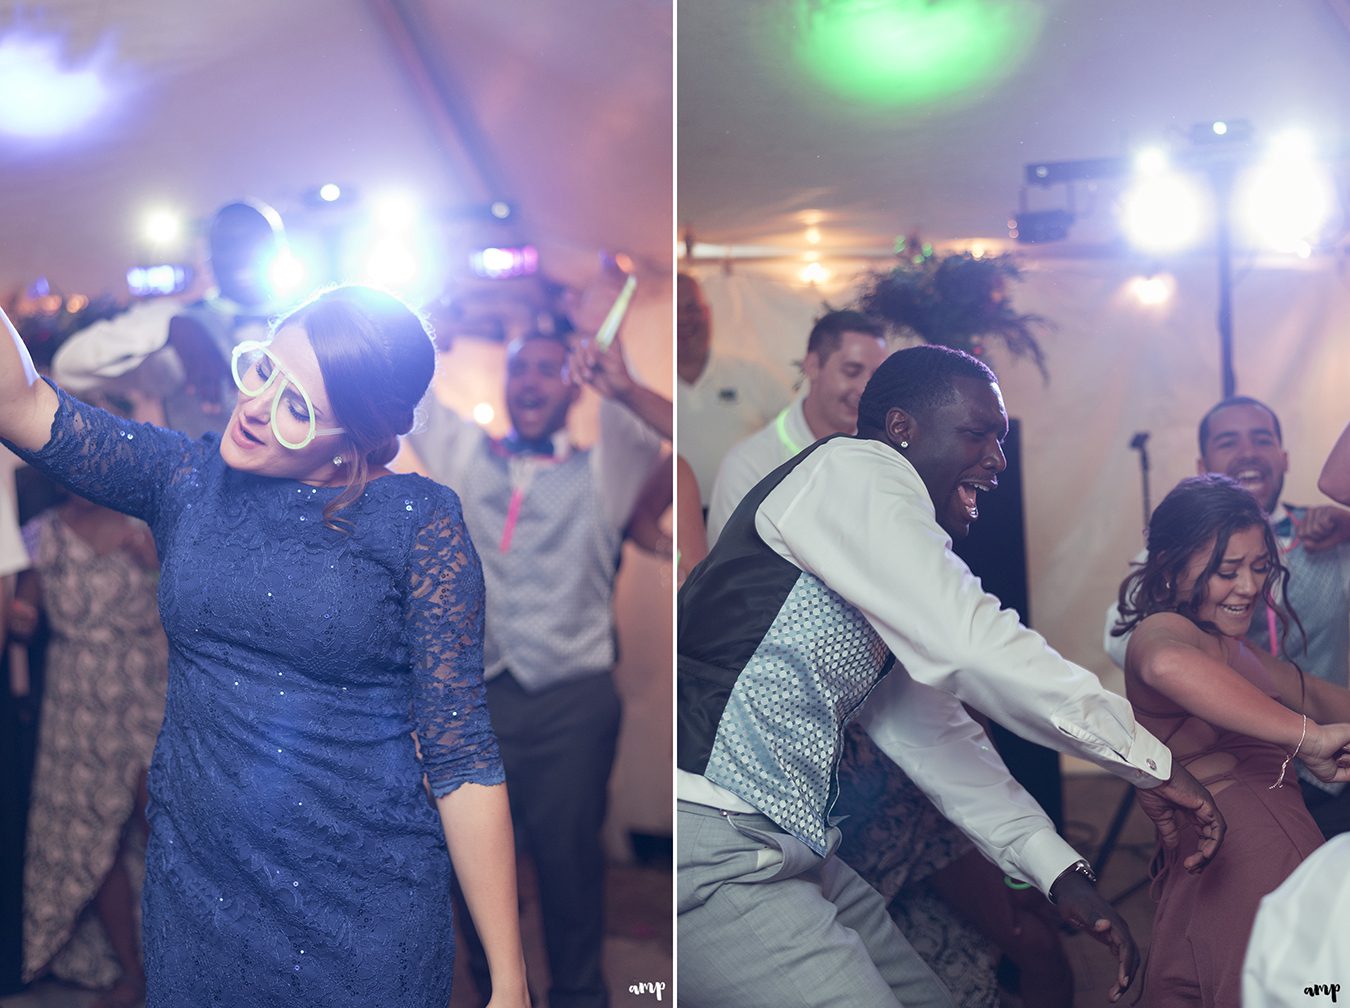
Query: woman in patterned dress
<point x="93" y="575"/>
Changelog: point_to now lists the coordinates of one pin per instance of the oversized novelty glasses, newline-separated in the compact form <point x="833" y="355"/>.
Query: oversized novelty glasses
<point x="256" y="369"/>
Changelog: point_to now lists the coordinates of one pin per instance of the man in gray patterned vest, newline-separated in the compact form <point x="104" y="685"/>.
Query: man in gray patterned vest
<point x="548" y="521"/>
<point x="833" y="593"/>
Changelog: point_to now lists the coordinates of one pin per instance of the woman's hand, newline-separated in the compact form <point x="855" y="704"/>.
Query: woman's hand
<point x="1326" y="752"/>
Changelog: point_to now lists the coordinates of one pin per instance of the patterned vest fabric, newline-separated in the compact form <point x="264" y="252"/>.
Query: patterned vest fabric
<point x="550" y="575"/>
<point x="772" y="664"/>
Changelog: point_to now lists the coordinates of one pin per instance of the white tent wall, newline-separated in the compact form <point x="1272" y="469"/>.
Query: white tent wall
<point x="1116" y="367"/>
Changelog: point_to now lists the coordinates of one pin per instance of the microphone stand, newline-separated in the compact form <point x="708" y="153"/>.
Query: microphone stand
<point x="1139" y="443"/>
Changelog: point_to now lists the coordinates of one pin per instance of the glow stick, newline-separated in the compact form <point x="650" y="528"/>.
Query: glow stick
<point x="610" y="327"/>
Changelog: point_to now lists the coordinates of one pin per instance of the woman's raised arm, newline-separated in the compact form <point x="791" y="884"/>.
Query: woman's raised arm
<point x="27" y="403"/>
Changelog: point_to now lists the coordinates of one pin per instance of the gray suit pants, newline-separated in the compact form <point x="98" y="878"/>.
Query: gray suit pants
<point x="765" y="921"/>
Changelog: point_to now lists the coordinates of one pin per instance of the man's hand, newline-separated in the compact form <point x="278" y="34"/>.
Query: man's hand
<point x="1324" y="527"/>
<point x="1183" y="793"/>
<point x="603" y="370"/>
<point x="204" y="370"/>
<point x="1079" y="903"/>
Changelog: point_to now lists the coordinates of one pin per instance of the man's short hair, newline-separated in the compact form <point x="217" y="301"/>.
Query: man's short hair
<point x="917" y="380"/>
<point x="828" y="332"/>
<point x="1240" y="400"/>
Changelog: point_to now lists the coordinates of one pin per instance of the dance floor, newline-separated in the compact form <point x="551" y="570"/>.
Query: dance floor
<point x="637" y="946"/>
<point x="639" y="923"/>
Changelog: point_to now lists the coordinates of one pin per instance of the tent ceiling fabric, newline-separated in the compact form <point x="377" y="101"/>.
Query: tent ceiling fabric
<point x="763" y="143"/>
<point x="216" y="101"/>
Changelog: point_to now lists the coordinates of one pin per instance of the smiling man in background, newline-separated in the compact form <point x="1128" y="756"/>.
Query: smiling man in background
<point x="842" y="352"/>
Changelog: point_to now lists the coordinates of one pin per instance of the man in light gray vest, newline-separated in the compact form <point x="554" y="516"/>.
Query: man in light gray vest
<point x="548" y="521"/>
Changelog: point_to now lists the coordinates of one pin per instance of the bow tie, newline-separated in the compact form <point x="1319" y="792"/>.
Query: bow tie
<point x="512" y="444"/>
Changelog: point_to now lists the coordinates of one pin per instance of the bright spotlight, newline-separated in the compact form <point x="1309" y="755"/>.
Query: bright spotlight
<point x="500" y="209"/>
<point x="1151" y="161"/>
<point x="1151" y="291"/>
<point x="162" y="227"/>
<point x="286" y="273"/>
<point x="1286" y="200"/>
<point x="502" y="263"/>
<point x="814" y="273"/>
<point x="391" y="264"/>
<point x="41" y="94"/>
<point x="330" y="192"/>
<point x="1163" y="213"/>
<point x="1219" y="127"/>
<point x="395" y="211"/>
<point x="483" y="414"/>
<point x="1293" y="145"/>
<point x="153" y="281"/>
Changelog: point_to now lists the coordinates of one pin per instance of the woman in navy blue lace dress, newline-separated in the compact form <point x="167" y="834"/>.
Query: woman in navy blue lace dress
<point x="325" y="626"/>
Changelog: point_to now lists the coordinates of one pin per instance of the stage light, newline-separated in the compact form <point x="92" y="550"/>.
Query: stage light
<point x="908" y="52"/>
<point x="1163" y="212"/>
<point x="391" y="264"/>
<point x="286" y="273"/>
<point x="162" y="227"/>
<point x="501" y="263"/>
<point x="1153" y="290"/>
<point x="1218" y="127"/>
<point x="1151" y="161"/>
<point x="814" y="273"/>
<point x="41" y="93"/>
<point x="500" y="209"/>
<point x="152" y="281"/>
<point x="1286" y="200"/>
<point x="330" y="192"/>
<point x="484" y="414"/>
<point x="394" y="211"/>
<point x="1032" y="227"/>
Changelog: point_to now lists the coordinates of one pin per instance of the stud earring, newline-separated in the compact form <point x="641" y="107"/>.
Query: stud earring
<point x="337" y="460"/>
<point x="904" y="444"/>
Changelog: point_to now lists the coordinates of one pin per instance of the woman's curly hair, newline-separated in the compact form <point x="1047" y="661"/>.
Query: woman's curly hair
<point x="1199" y="512"/>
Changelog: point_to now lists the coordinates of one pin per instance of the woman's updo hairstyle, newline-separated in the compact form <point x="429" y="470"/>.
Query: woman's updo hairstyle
<point x="377" y="360"/>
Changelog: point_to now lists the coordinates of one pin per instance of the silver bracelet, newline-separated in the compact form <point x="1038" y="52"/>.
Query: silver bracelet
<point x="1279" y="781"/>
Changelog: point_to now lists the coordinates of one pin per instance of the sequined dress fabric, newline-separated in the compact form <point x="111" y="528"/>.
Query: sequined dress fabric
<point x="294" y="856"/>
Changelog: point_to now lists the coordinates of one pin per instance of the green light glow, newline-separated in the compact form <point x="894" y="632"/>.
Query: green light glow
<point x="907" y="52"/>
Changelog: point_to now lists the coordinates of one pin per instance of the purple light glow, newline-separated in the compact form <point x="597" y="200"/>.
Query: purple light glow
<point x="44" y="93"/>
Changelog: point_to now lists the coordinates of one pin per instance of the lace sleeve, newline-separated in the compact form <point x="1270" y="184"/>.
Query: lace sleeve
<point x="445" y="625"/>
<point x="118" y="463"/>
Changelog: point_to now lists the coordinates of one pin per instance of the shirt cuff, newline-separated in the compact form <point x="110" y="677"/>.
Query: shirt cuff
<point x="1134" y="755"/>
<point x="1044" y="857"/>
